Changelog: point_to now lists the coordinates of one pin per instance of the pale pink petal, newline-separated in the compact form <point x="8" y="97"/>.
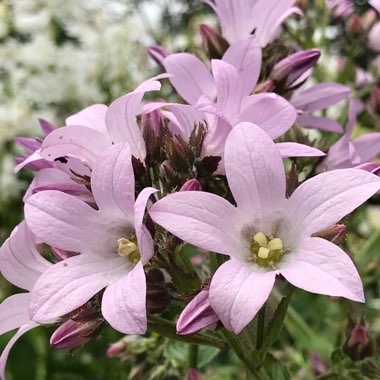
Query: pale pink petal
<point x="20" y="262"/>
<point x="10" y="344"/>
<point x="113" y="183"/>
<point x="190" y="77"/>
<point x="319" y="96"/>
<point x="328" y="197"/>
<point x="237" y="293"/>
<point x="235" y="17"/>
<point x="367" y="146"/>
<point x="124" y="302"/>
<point x="290" y="149"/>
<point x="320" y="266"/>
<point x="270" y="112"/>
<point x="373" y="37"/>
<point x="63" y="221"/>
<point x="72" y="282"/>
<point x="14" y="312"/>
<point x="319" y="122"/>
<point x="76" y="141"/>
<point x="245" y="55"/>
<point x="199" y="218"/>
<point x="229" y="89"/>
<point x="36" y="156"/>
<point x="255" y="171"/>
<point x="121" y="118"/>
<point x="93" y="117"/>
<point x="144" y="238"/>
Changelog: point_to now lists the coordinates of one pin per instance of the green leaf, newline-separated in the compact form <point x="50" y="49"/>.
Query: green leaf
<point x="275" y="369"/>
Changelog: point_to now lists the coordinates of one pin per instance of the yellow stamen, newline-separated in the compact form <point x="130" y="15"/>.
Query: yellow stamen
<point x="261" y="239"/>
<point x="126" y="247"/>
<point x="263" y="253"/>
<point x="275" y="244"/>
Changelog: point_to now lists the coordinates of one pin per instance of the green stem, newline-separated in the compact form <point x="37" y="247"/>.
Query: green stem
<point x="167" y="329"/>
<point x="260" y="328"/>
<point x="193" y="356"/>
<point x="243" y="354"/>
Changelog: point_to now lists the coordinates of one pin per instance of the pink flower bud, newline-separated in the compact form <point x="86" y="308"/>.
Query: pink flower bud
<point x="72" y="334"/>
<point x="213" y="43"/>
<point x="294" y="69"/>
<point x="266" y="86"/>
<point x="335" y="233"/>
<point x="191" y="185"/>
<point x="358" y="344"/>
<point x="46" y="126"/>
<point x="117" y="349"/>
<point x="158" y="53"/>
<point x="197" y="315"/>
<point x="193" y="374"/>
<point x="354" y="25"/>
<point x="317" y="364"/>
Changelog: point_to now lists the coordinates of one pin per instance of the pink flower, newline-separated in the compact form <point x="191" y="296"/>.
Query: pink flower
<point x="112" y="241"/>
<point x="359" y="152"/>
<point x="22" y="265"/>
<point x="239" y="18"/>
<point x="267" y="234"/>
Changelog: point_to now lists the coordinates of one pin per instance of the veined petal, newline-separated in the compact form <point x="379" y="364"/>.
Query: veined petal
<point x="326" y="198"/>
<point x="229" y="89"/>
<point x="190" y="77"/>
<point x="20" y="262"/>
<point x="93" y="117"/>
<point x="63" y="221"/>
<point x="124" y="302"/>
<point x="319" y="96"/>
<point x="270" y="112"/>
<point x="144" y="238"/>
<point x="367" y="146"/>
<point x="76" y="141"/>
<point x="113" y="182"/>
<point x="245" y="55"/>
<point x="319" y="122"/>
<point x="199" y="218"/>
<point x="121" y="117"/>
<point x="10" y="344"/>
<point x="72" y="282"/>
<point x="290" y="149"/>
<point x="320" y="266"/>
<point x="255" y="171"/>
<point x="14" y="312"/>
<point x="237" y="293"/>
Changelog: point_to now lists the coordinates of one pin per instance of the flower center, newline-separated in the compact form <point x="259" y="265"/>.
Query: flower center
<point x="129" y="248"/>
<point x="266" y="251"/>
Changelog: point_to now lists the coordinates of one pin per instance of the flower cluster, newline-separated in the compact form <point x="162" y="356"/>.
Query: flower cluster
<point x="120" y="190"/>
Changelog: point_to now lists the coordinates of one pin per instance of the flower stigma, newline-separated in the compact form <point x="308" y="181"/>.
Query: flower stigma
<point x="266" y="251"/>
<point x="129" y="248"/>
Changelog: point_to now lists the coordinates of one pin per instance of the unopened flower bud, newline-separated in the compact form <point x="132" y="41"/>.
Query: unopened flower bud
<point x="197" y="315"/>
<point x="294" y="69"/>
<point x="72" y="334"/>
<point x="158" y="53"/>
<point x="266" y="86"/>
<point x="354" y="25"/>
<point x="191" y="185"/>
<point x="335" y="233"/>
<point x="369" y="18"/>
<point x="213" y="43"/>
<point x="358" y="344"/>
<point x="46" y="126"/>
<point x="318" y="365"/>
<point x="117" y="349"/>
<point x="193" y="374"/>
